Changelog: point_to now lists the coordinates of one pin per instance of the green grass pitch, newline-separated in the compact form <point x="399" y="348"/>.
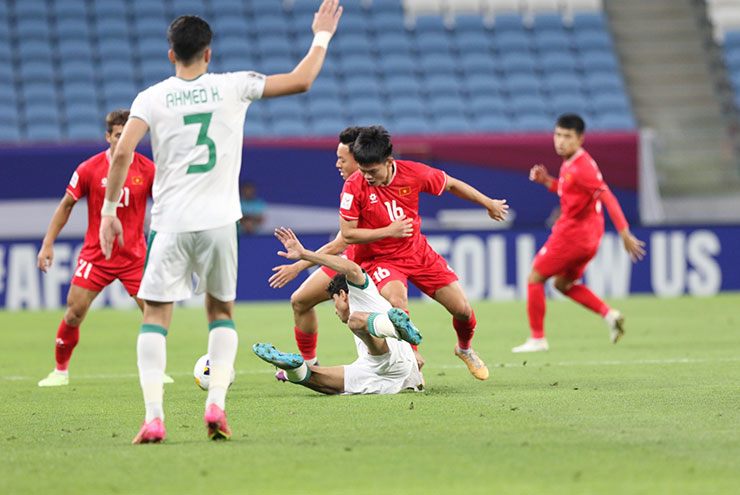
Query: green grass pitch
<point x="657" y="413"/>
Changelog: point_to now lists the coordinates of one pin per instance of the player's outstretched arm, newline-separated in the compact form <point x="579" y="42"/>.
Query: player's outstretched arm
<point x="294" y="250"/>
<point x="497" y="208"/>
<point x="58" y="221"/>
<point x="110" y="225"/>
<point x="539" y="174"/>
<point x="285" y="273"/>
<point x="300" y="79"/>
<point x="634" y="246"/>
<point x="403" y="227"/>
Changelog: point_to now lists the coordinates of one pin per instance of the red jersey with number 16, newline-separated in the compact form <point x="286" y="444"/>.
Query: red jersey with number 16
<point x="90" y="180"/>
<point x="375" y="207"/>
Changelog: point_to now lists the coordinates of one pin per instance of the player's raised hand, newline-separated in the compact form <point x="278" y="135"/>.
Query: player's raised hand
<point x="327" y="17"/>
<point x="283" y="274"/>
<point x="403" y="227"/>
<point x="45" y="258"/>
<point x="498" y="209"/>
<point x="634" y="246"/>
<point x="539" y="174"/>
<point x="110" y="229"/>
<point x="293" y="246"/>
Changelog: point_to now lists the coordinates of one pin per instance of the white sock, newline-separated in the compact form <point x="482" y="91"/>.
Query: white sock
<point x="296" y="375"/>
<point x="611" y="317"/>
<point x="61" y="372"/>
<point x="223" y="342"/>
<point x="312" y="361"/>
<point x="379" y="325"/>
<point x="151" y="349"/>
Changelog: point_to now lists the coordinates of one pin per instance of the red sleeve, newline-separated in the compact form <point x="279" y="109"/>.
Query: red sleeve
<point x="77" y="187"/>
<point x="615" y="211"/>
<point x="431" y="180"/>
<point x="349" y="207"/>
<point x="554" y="185"/>
<point x="588" y="176"/>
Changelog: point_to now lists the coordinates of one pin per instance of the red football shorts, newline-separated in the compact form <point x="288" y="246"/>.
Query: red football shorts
<point x="564" y="257"/>
<point x="427" y="270"/>
<point x="96" y="278"/>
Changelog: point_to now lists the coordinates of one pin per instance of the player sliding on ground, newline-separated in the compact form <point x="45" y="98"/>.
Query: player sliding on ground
<point x="385" y="364"/>
<point x="196" y="121"/>
<point x="576" y="235"/>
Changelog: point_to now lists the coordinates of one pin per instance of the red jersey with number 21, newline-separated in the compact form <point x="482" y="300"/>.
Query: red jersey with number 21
<point x="90" y="180"/>
<point x="375" y="207"/>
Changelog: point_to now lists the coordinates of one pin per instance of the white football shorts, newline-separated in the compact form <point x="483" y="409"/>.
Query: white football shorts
<point x="390" y="373"/>
<point x="174" y="259"/>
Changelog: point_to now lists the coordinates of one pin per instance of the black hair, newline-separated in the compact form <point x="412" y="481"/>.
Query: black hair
<point x="116" y="117"/>
<point x="349" y="134"/>
<point x="571" y="121"/>
<point x="373" y="145"/>
<point x="338" y="284"/>
<point x="189" y="36"/>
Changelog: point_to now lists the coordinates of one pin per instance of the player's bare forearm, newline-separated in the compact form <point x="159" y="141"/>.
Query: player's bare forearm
<point x="59" y="219"/>
<point x="340" y="265"/>
<point x="465" y="191"/>
<point x="354" y="235"/>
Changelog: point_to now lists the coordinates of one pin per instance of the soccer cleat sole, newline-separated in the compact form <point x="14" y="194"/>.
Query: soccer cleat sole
<point x="282" y="360"/>
<point x="406" y="329"/>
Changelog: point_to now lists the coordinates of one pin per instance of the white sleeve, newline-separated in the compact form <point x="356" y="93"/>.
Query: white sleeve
<point x="250" y="85"/>
<point x="140" y="109"/>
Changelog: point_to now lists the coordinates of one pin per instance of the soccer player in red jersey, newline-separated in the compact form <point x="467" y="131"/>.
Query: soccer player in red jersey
<point x="313" y="290"/>
<point x="93" y="272"/>
<point x="576" y="235"/>
<point x="379" y="212"/>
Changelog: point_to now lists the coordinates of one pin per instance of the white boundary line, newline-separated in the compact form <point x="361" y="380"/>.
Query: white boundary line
<point x="103" y="376"/>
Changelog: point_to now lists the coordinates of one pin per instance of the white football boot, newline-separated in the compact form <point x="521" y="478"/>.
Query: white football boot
<point x="532" y="345"/>
<point x="615" y="321"/>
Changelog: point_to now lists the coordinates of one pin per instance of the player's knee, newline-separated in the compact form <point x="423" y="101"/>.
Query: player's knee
<point x="75" y="314"/>
<point x="398" y="302"/>
<point x="461" y="311"/>
<point x="563" y="285"/>
<point x="534" y="278"/>
<point x="298" y="303"/>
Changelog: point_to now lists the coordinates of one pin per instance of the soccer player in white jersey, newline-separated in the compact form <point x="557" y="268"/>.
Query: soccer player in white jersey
<point x="385" y="363"/>
<point x="196" y="122"/>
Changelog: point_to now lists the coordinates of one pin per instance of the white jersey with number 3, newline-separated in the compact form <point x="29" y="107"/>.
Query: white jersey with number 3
<point x="197" y="131"/>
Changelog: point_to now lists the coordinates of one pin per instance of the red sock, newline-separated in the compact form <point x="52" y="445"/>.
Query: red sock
<point x="582" y="294"/>
<point x="536" y="309"/>
<point x="67" y="338"/>
<point x="465" y="330"/>
<point x="306" y="343"/>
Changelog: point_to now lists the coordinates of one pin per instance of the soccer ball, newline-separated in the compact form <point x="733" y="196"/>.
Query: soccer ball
<point x="202" y="372"/>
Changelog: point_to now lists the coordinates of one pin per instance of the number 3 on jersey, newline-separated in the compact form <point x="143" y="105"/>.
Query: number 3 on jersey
<point x="204" y="119"/>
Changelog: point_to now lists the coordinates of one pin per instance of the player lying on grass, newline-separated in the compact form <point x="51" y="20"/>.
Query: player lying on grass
<point x="385" y="362"/>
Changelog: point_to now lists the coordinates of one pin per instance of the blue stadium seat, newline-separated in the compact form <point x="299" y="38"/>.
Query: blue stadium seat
<point x="152" y="27"/>
<point x="231" y="26"/>
<point x="558" y="63"/>
<point x="359" y="66"/>
<point x="233" y="45"/>
<point x="115" y="49"/>
<point x="261" y="8"/>
<point x="325" y="107"/>
<point x="365" y="108"/>
<point x="36" y="72"/>
<point x="146" y="9"/>
<point x="732" y="60"/>
<point x="113" y="71"/>
<point x="410" y="126"/>
<point x="9" y="132"/>
<point x="469" y="24"/>
<point x="403" y="85"/>
<point x="475" y="42"/>
<point x="353" y="45"/>
<point x="269" y="45"/>
<point x="523" y="84"/>
<point x="592" y="40"/>
<point x="528" y="104"/>
<point x="478" y="63"/>
<point x="110" y="9"/>
<point x="517" y="64"/>
<point x="392" y="7"/>
<point x="548" y="23"/>
<point x="452" y="124"/>
<point x="493" y="123"/>
<point x="441" y="104"/>
<point x="486" y="103"/>
<point x="79" y="92"/>
<point x="43" y="132"/>
<point x="113" y="28"/>
<point x="598" y="61"/>
<point x="483" y="84"/>
<point x="589" y="21"/>
<point x="512" y="42"/>
<point x="285" y="108"/>
<point x="562" y="82"/>
<point x="533" y="123"/>
<point x="271" y="25"/>
<point x="433" y="43"/>
<point x="325" y="85"/>
<point x="188" y="7"/>
<point x="87" y="113"/>
<point x="74" y="29"/>
<point x="327" y="126"/>
<point x="30" y="9"/>
<point x="276" y="65"/>
<point x="290" y="127"/>
<point x="34" y="51"/>
<point x="406" y="106"/>
<point x="361" y="85"/>
<point x="37" y="112"/>
<point x="77" y="71"/>
<point x="614" y="102"/>
<point x="71" y="50"/>
<point x="732" y="40"/>
<point x="392" y="43"/>
<point x="228" y="8"/>
<point x="385" y="23"/>
<point x="443" y="84"/>
<point x="569" y="103"/>
<point x="85" y="130"/>
<point x="398" y="64"/>
<point x="508" y="23"/>
<point x="550" y="41"/>
<point x="429" y="24"/>
<point x="617" y="121"/>
<point x="604" y="82"/>
<point x="69" y="10"/>
<point x="438" y="64"/>
<point x="9" y="110"/>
